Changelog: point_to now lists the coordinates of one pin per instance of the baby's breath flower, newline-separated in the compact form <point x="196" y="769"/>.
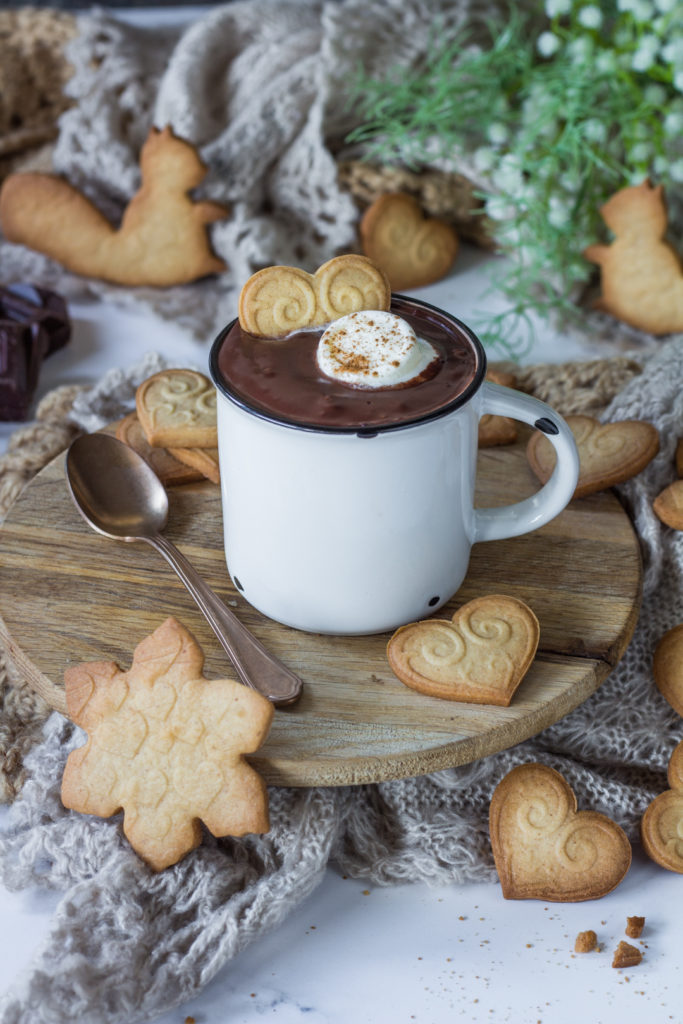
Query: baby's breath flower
<point x="660" y="165"/>
<point x="556" y="8"/>
<point x="485" y="158"/>
<point x="622" y="38"/>
<point x="678" y="80"/>
<point x="676" y="171"/>
<point x="673" y="123"/>
<point x="665" y="5"/>
<point x="672" y="52"/>
<point x="642" y="60"/>
<point x="508" y="175"/>
<point x="498" y="133"/>
<point x="606" y="62"/>
<point x="498" y="208"/>
<point x="625" y="5"/>
<point x="547" y="44"/>
<point x="640" y="153"/>
<point x="595" y="130"/>
<point x="642" y="11"/>
<point x="590" y="16"/>
<point x="580" y="50"/>
<point x="558" y="212"/>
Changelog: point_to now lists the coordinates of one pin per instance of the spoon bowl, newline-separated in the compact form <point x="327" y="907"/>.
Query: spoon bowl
<point x="122" y="498"/>
<point x="115" y="490"/>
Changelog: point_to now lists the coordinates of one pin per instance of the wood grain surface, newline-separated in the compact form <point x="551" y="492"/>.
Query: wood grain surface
<point x="68" y="595"/>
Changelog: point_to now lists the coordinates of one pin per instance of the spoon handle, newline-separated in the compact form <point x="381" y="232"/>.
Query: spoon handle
<point x="255" y="666"/>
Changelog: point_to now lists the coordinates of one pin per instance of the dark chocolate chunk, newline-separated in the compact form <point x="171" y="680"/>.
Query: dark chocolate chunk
<point x="34" y="323"/>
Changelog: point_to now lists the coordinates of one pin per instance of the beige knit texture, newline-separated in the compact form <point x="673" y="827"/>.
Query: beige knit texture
<point x="33" y="73"/>
<point x="22" y="712"/>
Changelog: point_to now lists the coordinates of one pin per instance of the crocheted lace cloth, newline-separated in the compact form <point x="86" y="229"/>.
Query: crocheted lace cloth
<point x="261" y="88"/>
<point x="126" y="943"/>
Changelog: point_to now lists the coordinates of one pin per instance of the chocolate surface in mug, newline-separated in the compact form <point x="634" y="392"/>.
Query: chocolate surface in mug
<point x="280" y="377"/>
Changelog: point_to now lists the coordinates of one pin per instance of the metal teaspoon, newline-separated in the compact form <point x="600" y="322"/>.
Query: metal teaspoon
<point x="121" y="497"/>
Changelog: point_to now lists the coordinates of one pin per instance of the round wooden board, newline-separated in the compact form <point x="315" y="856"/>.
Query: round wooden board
<point x="68" y="595"/>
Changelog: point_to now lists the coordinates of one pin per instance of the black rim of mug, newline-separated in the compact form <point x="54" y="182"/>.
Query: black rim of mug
<point x="384" y="428"/>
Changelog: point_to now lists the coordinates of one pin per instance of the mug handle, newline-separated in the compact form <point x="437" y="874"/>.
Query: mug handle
<point x="540" y="508"/>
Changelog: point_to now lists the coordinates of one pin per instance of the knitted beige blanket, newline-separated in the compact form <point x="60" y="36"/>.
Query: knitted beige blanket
<point x="126" y="944"/>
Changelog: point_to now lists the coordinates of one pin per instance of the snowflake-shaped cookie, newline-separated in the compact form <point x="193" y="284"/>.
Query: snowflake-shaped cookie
<point x="165" y="745"/>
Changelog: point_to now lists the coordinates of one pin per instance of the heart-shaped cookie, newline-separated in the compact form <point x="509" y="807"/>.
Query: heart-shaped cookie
<point x="169" y="469"/>
<point x="177" y="409"/>
<point x="667" y="667"/>
<point x="547" y="850"/>
<point x="277" y="300"/>
<point x="668" y="505"/>
<point x="203" y="460"/>
<point x="479" y="656"/>
<point x="608" y="453"/>
<point x="411" y="249"/>
<point x="661" y="828"/>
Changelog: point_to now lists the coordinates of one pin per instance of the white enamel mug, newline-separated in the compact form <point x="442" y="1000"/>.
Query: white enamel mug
<point x="352" y="531"/>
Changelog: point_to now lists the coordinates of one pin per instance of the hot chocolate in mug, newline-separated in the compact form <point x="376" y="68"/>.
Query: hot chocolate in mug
<point x="358" y="518"/>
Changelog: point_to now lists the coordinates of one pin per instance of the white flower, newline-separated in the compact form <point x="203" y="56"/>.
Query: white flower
<point x="660" y="165"/>
<point x="625" y="5"/>
<point x="595" y="130"/>
<point x="606" y="62"/>
<point x="673" y="123"/>
<point x="497" y="133"/>
<point x="646" y="54"/>
<point x="642" y="11"/>
<point x="640" y="153"/>
<point x="580" y="50"/>
<point x="622" y="38"/>
<point x="498" y="208"/>
<point x="665" y="5"/>
<point x="570" y="181"/>
<point x="676" y="171"/>
<point x="590" y="16"/>
<point x="558" y="212"/>
<point x="678" y="81"/>
<point x="548" y="44"/>
<point x="485" y="158"/>
<point x="673" y="51"/>
<point x="556" y="8"/>
<point x="508" y="175"/>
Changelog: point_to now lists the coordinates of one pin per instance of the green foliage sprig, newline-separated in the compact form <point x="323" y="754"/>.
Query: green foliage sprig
<point x="566" y="104"/>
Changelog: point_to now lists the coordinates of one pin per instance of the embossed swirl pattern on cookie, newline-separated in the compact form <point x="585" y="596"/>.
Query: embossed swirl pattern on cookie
<point x="662" y="825"/>
<point x="480" y="656"/>
<point x="411" y="249"/>
<point x="544" y="848"/>
<point x="184" y="400"/>
<point x="278" y="300"/>
<point x="165" y="745"/>
<point x="609" y="453"/>
<point x="177" y="408"/>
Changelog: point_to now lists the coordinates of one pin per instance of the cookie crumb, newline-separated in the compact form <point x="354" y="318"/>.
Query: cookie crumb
<point x="634" y="927"/>
<point x="586" y="942"/>
<point x="626" y="955"/>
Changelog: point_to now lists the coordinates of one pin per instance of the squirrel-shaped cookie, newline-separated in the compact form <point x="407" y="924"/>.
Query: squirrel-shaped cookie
<point x="162" y="239"/>
<point x="642" y="276"/>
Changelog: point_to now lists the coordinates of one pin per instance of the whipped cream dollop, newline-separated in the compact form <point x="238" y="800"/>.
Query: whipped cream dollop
<point x="373" y="349"/>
